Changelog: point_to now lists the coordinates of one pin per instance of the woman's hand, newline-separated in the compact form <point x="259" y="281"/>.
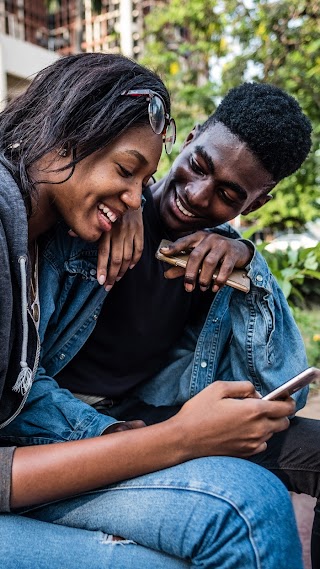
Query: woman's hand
<point x="230" y="419"/>
<point x="120" y="249"/>
<point x="211" y="254"/>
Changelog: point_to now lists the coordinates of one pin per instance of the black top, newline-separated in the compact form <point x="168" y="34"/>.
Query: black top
<point x="142" y="316"/>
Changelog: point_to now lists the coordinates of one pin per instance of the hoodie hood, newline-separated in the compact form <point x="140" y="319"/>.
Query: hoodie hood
<point x="16" y="327"/>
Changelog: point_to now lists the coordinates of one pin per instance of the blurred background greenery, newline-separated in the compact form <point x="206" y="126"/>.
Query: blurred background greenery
<point x="202" y="48"/>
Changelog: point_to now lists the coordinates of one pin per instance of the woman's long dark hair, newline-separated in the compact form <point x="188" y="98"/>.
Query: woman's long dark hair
<point x="76" y="103"/>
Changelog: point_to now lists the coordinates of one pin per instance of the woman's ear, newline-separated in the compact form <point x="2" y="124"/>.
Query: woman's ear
<point x="257" y="203"/>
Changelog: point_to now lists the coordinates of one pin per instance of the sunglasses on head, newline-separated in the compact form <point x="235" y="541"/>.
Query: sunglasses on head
<point x="160" y="120"/>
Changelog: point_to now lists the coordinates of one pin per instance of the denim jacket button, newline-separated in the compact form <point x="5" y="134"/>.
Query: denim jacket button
<point x="259" y="278"/>
<point x="62" y="356"/>
<point x="203" y="364"/>
<point x="93" y="271"/>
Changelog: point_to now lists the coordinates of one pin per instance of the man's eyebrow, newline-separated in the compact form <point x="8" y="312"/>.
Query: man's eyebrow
<point x="209" y="162"/>
<point x="138" y="155"/>
<point x="205" y="156"/>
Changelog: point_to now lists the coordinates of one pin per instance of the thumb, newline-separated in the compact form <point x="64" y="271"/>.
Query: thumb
<point x="237" y="389"/>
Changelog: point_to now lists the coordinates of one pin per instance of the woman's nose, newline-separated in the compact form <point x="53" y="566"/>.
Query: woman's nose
<point x="132" y="198"/>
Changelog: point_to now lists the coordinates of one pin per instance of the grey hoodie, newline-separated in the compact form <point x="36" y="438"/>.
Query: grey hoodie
<point x="19" y="345"/>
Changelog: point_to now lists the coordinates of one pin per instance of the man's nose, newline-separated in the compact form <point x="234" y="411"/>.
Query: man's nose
<point x="199" y="193"/>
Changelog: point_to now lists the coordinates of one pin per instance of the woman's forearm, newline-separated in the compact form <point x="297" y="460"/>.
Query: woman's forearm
<point x="226" y="418"/>
<point x="51" y="472"/>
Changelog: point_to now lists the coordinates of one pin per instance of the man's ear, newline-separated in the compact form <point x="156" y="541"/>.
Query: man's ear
<point x="191" y="136"/>
<point x="257" y="203"/>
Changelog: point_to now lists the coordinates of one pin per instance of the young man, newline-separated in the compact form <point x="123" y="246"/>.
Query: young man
<point x="150" y="345"/>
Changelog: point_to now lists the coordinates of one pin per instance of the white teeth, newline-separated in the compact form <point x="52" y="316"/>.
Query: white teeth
<point x="183" y="209"/>
<point x="108" y="213"/>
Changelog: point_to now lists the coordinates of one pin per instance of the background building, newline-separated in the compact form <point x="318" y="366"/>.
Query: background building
<point x="33" y="33"/>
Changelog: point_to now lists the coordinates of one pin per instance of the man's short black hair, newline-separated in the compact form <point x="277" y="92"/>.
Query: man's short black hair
<point x="270" y="122"/>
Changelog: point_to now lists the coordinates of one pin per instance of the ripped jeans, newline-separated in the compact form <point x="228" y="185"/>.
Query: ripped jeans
<point x="217" y="512"/>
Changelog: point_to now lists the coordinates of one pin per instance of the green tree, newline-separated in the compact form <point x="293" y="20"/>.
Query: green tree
<point x="278" y="42"/>
<point x="181" y="40"/>
<point x="264" y="40"/>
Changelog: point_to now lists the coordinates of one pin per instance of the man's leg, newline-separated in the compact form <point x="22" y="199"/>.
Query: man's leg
<point x="294" y="456"/>
<point x="212" y="512"/>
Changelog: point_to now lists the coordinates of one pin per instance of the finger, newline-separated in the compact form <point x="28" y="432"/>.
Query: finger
<point x="182" y="244"/>
<point x="103" y="258"/>
<point x="126" y="258"/>
<point x="137" y="247"/>
<point x="223" y="272"/>
<point x="174" y="272"/>
<point x="116" y="259"/>
<point x="278" y="409"/>
<point x="261" y="448"/>
<point x="195" y="261"/>
<point x="278" y="425"/>
<point x="233" y="389"/>
<point x="126" y="426"/>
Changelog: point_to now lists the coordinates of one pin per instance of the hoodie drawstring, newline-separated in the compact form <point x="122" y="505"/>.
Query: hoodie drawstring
<point x="24" y="379"/>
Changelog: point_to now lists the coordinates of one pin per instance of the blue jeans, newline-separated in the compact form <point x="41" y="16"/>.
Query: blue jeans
<point x="218" y="512"/>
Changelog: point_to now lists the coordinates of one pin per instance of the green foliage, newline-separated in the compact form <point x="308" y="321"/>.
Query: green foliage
<point x="275" y="41"/>
<point x="279" y="41"/>
<point x="297" y="272"/>
<point x="308" y="322"/>
<point x="298" y="275"/>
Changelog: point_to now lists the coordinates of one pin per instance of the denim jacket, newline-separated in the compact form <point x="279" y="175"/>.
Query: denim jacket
<point x="242" y="337"/>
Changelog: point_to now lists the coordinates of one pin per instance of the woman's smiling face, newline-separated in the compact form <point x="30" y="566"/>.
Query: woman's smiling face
<point x="214" y="179"/>
<point x="103" y="186"/>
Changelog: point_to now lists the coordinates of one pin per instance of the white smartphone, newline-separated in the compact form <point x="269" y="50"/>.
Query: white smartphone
<point x="289" y="387"/>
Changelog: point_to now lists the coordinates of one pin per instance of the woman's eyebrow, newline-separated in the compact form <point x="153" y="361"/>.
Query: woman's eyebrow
<point x="142" y="159"/>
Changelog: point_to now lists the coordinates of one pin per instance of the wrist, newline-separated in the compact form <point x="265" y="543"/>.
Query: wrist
<point x="250" y="251"/>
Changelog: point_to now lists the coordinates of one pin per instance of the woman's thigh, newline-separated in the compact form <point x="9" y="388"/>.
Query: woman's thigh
<point x="217" y="512"/>
<point x="31" y="544"/>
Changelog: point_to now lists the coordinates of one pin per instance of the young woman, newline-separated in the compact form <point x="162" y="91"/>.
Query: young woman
<point x="79" y="145"/>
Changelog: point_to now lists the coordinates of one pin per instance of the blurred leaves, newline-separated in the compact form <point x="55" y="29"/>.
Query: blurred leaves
<point x="274" y="41"/>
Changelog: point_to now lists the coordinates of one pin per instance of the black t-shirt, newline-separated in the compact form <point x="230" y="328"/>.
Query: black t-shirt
<point x="141" y="318"/>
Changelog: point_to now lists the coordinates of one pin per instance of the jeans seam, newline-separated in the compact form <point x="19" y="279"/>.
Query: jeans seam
<point x="197" y="490"/>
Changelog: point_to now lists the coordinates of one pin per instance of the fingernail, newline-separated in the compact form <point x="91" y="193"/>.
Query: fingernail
<point x="164" y="248"/>
<point x="131" y="266"/>
<point x="101" y="279"/>
<point x="188" y="287"/>
<point x="118" y="279"/>
<point x="107" y="288"/>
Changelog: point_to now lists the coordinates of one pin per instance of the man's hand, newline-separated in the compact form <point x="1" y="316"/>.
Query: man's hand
<point x="124" y="426"/>
<point x="230" y="419"/>
<point x="211" y="254"/>
<point x="120" y="249"/>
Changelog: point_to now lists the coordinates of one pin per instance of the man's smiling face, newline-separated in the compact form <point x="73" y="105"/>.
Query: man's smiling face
<point x="214" y="179"/>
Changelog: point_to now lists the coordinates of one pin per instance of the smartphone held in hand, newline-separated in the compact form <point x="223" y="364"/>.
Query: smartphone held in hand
<point x="238" y="278"/>
<point x="298" y="382"/>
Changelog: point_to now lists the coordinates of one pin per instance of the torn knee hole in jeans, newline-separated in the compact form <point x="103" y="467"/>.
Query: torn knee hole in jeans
<point x="116" y="539"/>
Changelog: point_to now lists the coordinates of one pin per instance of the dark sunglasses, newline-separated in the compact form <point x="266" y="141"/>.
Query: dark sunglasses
<point x="160" y="120"/>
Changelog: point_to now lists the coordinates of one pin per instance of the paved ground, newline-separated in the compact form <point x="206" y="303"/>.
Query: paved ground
<point x="303" y="504"/>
